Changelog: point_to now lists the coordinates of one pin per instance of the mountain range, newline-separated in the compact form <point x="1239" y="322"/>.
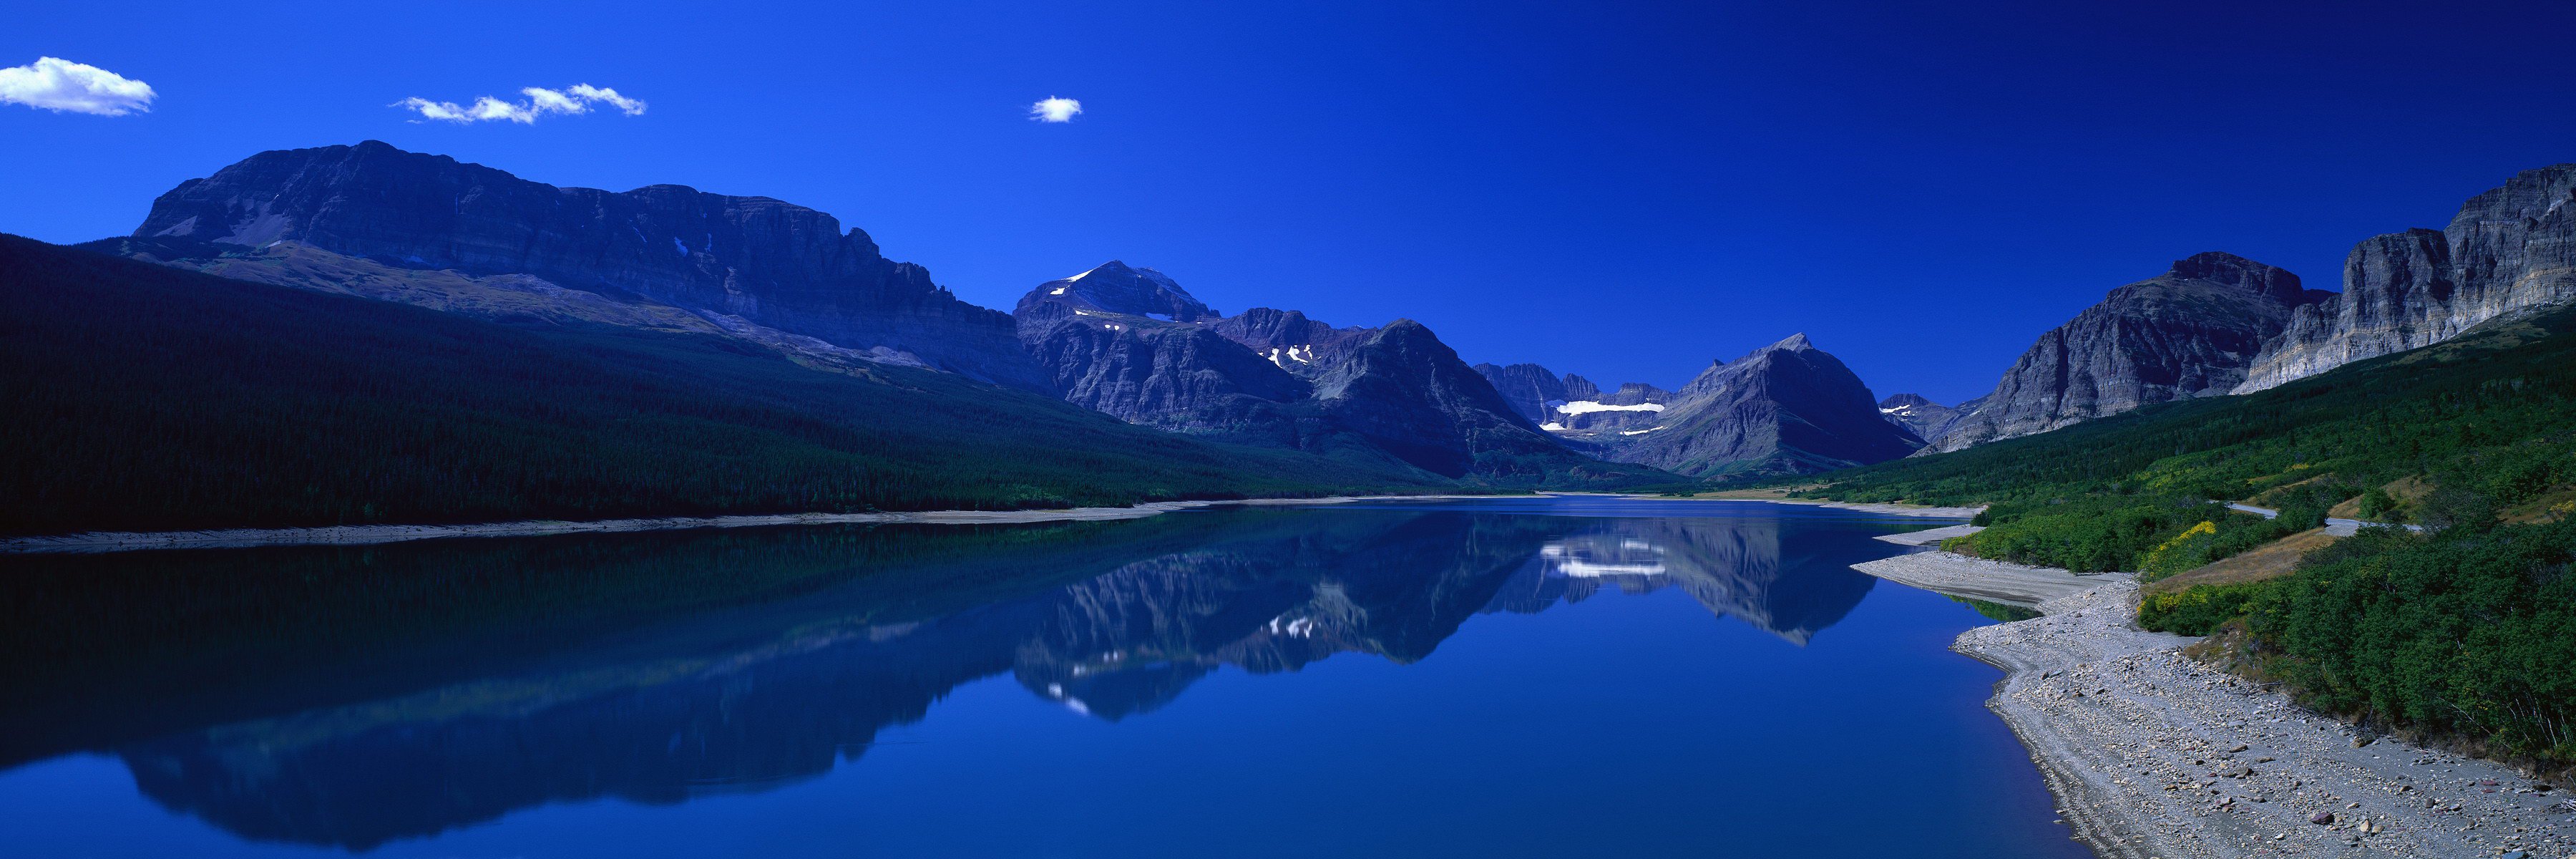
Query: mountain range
<point x="2217" y="323"/>
<point x="1384" y="405"/>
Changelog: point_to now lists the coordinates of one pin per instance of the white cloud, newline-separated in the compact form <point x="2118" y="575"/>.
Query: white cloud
<point x="632" y="107"/>
<point x="540" y="101"/>
<point x="1055" y="110"/>
<point x="63" y="85"/>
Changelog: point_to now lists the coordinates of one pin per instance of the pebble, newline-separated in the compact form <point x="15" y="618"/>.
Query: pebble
<point x="2154" y="744"/>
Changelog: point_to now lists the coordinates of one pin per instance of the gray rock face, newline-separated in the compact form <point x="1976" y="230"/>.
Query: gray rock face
<point x="1533" y="391"/>
<point x="1288" y="339"/>
<point x="1407" y="393"/>
<point x="1141" y="349"/>
<point x="1634" y="409"/>
<point x="2509" y="249"/>
<point x="1916" y="413"/>
<point x="1787" y="408"/>
<point x="1169" y="375"/>
<point x="1572" y="407"/>
<point x="2190" y="332"/>
<point x="777" y="265"/>
<point x="1941" y="430"/>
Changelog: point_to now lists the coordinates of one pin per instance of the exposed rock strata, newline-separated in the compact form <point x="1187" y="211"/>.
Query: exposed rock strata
<point x="2508" y="250"/>
<point x="2190" y="332"/>
<point x="771" y="263"/>
<point x="1139" y="347"/>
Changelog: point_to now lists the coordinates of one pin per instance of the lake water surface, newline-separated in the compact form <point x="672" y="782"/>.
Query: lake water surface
<point x="1516" y="677"/>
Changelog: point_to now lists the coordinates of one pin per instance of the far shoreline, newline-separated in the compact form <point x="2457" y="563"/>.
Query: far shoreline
<point x="100" y="542"/>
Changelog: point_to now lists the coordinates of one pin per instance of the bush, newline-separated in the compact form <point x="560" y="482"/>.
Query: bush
<point x="2156" y="536"/>
<point x="2198" y="610"/>
<point x="2466" y="632"/>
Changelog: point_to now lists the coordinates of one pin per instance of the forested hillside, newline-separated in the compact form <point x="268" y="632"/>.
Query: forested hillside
<point x="147" y="398"/>
<point x="2467" y="629"/>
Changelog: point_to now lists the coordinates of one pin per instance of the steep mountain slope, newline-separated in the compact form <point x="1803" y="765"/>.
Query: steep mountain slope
<point x="145" y="397"/>
<point x="1535" y="391"/>
<point x="1919" y="414"/>
<point x="756" y="260"/>
<point x="2490" y="409"/>
<point x="1138" y="346"/>
<point x="1289" y="340"/>
<point x="1108" y="338"/>
<point x="1573" y="408"/>
<point x="1409" y="394"/>
<point x="2509" y="249"/>
<point x="1786" y="408"/>
<point x="1113" y="287"/>
<point x="2190" y="332"/>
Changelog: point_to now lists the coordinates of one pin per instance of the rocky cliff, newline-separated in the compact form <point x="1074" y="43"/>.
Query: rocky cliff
<point x="1140" y="348"/>
<point x="1533" y="391"/>
<point x="1787" y="408"/>
<point x="769" y="263"/>
<point x="1572" y="407"/>
<point x="2190" y="332"/>
<point x="2509" y="249"/>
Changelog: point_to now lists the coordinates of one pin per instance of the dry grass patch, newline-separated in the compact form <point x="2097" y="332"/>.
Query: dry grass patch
<point x="2268" y="561"/>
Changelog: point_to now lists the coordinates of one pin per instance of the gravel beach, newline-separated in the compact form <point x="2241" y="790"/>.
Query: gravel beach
<point x="2152" y="754"/>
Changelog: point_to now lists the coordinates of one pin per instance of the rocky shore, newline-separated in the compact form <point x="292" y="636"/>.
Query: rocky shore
<point x="2155" y="756"/>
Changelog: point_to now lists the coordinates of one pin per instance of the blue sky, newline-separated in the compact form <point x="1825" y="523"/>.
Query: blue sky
<point x="1623" y="191"/>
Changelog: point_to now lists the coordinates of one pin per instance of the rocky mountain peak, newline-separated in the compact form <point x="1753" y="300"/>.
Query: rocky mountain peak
<point x="1785" y="408"/>
<point x="1793" y="343"/>
<point x="1905" y="401"/>
<point x="1115" y="287"/>
<point x="2232" y="270"/>
<point x="2190" y="332"/>
<point x="772" y="263"/>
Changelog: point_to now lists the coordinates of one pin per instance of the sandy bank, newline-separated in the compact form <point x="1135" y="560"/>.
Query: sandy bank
<point x="122" y="541"/>
<point x="1977" y="578"/>
<point x="2152" y="754"/>
<point x="1929" y="536"/>
<point x="1895" y="509"/>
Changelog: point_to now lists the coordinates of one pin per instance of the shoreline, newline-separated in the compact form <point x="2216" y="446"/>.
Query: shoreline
<point x="1862" y="507"/>
<point x="363" y="535"/>
<point x="2152" y="755"/>
<point x="93" y="542"/>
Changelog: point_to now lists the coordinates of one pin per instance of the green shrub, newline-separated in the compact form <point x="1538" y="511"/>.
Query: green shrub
<point x="2200" y="609"/>
<point x="2466" y="632"/>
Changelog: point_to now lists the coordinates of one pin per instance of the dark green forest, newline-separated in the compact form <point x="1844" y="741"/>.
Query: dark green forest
<point x="147" y="398"/>
<point x="2487" y="421"/>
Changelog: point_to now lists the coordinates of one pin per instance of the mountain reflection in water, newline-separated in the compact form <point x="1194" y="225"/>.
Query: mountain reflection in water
<point x="740" y="661"/>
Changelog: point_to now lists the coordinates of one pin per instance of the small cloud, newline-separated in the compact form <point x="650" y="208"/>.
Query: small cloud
<point x="632" y="107"/>
<point x="62" y="85"/>
<point x="539" y="102"/>
<point x="1055" y="110"/>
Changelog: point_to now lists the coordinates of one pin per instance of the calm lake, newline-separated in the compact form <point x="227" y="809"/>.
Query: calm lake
<point x="1522" y="677"/>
